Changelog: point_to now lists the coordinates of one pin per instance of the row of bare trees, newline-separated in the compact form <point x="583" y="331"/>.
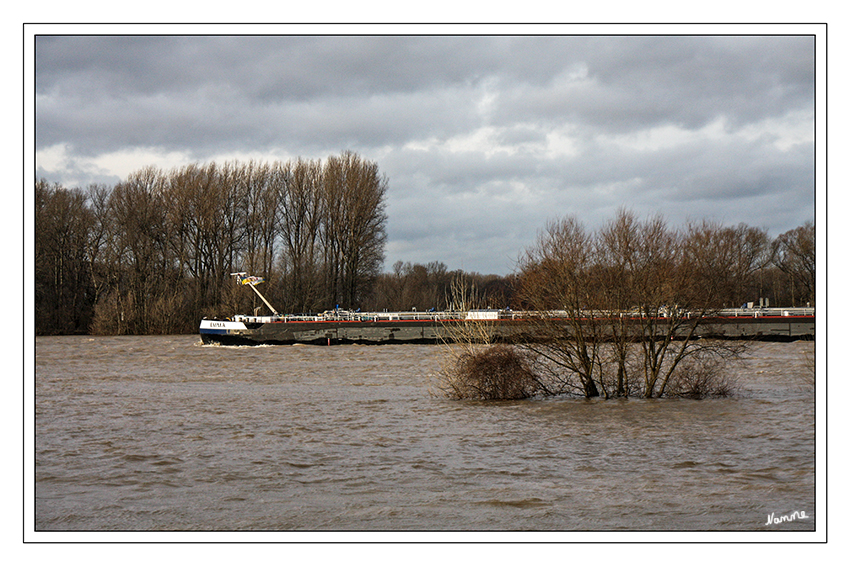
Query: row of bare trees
<point x="421" y="287"/>
<point x="728" y="266"/>
<point x="619" y="309"/>
<point x="153" y="254"/>
<point x="781" y="271"/>
<point x="65" y="237"/>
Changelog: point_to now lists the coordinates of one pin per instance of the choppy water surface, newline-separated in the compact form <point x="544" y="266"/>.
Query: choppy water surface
<point x="161" y="433"/>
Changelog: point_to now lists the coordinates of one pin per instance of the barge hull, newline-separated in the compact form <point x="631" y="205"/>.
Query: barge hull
<point x="772" y="328"/>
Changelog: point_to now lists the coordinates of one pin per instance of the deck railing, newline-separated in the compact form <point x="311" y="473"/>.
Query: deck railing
<point x="504" y="314"/>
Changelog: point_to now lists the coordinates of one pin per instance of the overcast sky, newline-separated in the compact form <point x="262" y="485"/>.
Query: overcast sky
<point x="483" y="139"/>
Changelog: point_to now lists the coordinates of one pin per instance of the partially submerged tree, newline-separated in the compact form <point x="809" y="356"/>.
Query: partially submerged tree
<point x="621" y="309"/>
<point x="558" y="284"/>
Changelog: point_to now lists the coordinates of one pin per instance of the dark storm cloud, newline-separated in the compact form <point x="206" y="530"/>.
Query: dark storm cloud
<point x="621" y="84"/>
<point x="197" y="92"/>
<point x="483" y="138"/>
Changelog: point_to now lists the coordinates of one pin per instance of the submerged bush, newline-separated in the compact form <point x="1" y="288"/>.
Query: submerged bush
<point x="498" y="372"/>
<point x="701" y="380"/>
<point x="509" y="372"/>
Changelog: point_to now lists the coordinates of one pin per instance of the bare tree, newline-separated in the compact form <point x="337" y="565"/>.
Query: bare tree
<point x="728" y="260"/>
<point x="141" y="251"/>
<point x="558" y="282"/>
<point x="99" y="237"/>
<point x="795" y="256"/>
<point x="299" y="186"/>
<point x="679" y="277"/>
<point x="63" y="251"/>
<point x="194" y="207"/>
<point x="616" y="245"/>
<point x="354" y="226"/>
<point x="258" y="199"/>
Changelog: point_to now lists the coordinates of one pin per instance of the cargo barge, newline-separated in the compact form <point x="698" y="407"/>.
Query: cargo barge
<point x="346" y="327"/>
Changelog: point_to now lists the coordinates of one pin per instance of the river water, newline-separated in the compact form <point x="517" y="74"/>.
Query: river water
<point x="163" y="433"/>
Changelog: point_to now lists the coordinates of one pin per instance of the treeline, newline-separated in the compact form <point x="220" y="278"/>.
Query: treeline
<point x="417" y="287"/>
<point x="719" y="266"/>
<point x="154" y="253"/>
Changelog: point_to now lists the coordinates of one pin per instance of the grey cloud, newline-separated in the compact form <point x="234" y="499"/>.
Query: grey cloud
<point x="406" y="101"/>
<point x="627" y="83"/>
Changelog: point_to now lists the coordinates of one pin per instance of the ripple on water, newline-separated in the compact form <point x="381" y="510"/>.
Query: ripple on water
<point x="159" y="433"/>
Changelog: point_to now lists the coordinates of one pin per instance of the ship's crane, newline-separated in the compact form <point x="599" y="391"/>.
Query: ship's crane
<point x="243" y="278"/>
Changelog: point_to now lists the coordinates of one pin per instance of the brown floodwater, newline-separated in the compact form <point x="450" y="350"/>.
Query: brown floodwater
<point x="163" y="433"/>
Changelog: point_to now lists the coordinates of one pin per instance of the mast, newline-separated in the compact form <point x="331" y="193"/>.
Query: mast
<point x="244" y="279"/>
